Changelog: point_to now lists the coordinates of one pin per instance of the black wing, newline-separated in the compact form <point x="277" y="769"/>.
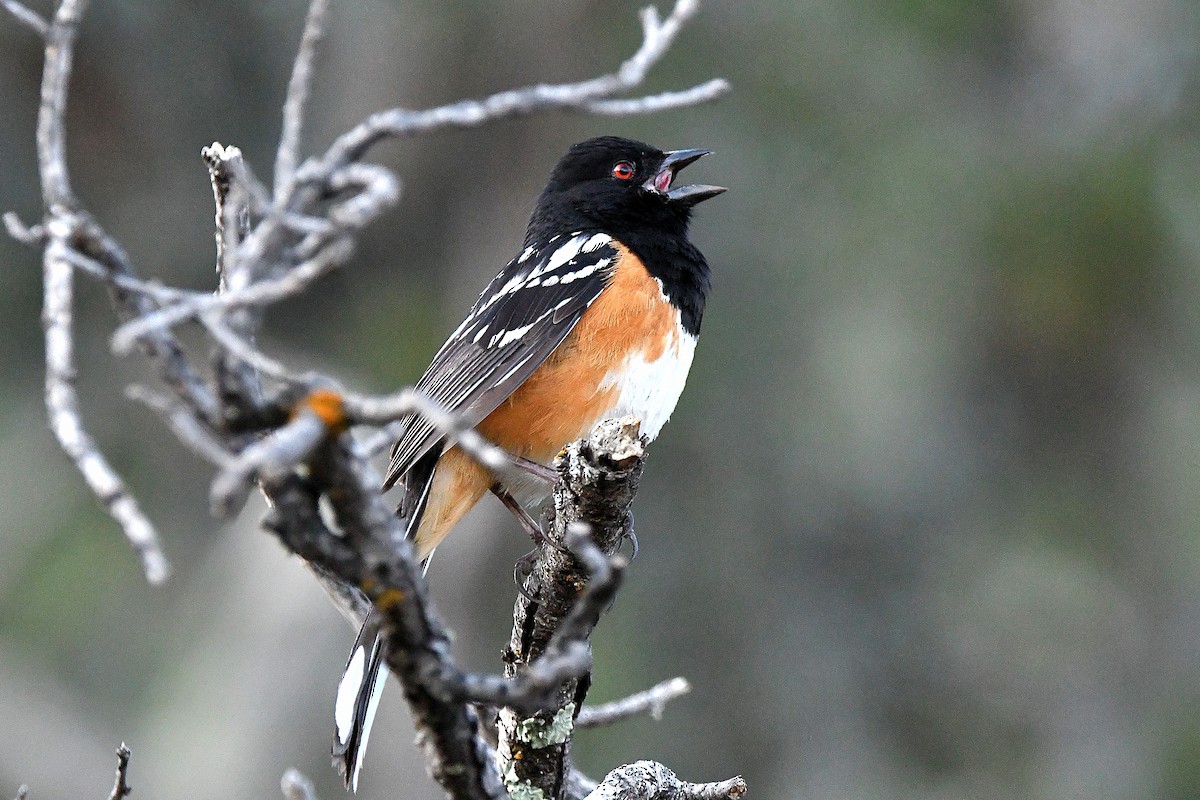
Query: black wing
<point x="522" y="315"/>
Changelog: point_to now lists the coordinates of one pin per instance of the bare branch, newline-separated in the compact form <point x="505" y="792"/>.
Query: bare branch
<point x="567" y="655"/>
<point x="649" y="780"/>
<point x="62" y="407"/>
<point x="291" y="440"/>
<point x="658" y="37"/>
<point x="121" y="788"/>
<point x="299" y="88"/>
<point x="25" y="234"/>
<point x="51" y="127"/>
<point x="296" y="786"/>
<point x="183" y="423"/>
<point x="371" y="553"/>
<point x="598" y="478"/>
<point x="269" y="457"/>
<point x="239" y="349"/>
<point x="381" y="410"/>
<point x="652" y="701"/>
<point x="26" y="16"/>
<point x="261" y="293"/>
<point x="702" y="93"/>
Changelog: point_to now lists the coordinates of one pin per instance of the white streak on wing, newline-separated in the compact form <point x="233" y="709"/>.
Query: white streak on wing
<point x="650" y="390"/>
<point x="347" y="694"/>
<point x="514" y="284"/>
<point x="596" y="241"/>
<point x="550" y="280"/>
<point x="503" y="338"/>
<point x="526" y="254"/>
<point x="479" y="334"/>
<point x="372" y="706"/>
<point x="562" y="255"/>
<point x="588" y="270"/>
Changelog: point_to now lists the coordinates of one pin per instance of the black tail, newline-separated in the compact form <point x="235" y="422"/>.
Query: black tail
<point x="357" y="699"/>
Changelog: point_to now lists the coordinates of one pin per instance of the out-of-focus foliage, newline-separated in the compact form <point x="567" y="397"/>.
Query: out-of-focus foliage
<point x="924" y="524"/>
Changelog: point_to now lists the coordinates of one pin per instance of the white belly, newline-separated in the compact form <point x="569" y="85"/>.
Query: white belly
<point x="649" y="390"/>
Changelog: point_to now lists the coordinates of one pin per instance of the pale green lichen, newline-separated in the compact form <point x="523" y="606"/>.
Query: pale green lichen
<point x="518" y="789"/>
<point x="539" y="733"/>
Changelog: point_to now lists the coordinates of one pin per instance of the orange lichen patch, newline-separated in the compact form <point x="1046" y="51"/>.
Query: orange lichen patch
<point x="458" y="483"/>
<point x="563" y="399"/>
<point x="389" y="598"/>
<point x="328" y="406"/>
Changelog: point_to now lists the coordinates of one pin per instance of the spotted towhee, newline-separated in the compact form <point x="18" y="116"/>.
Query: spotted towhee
<point x="596" y="317"/>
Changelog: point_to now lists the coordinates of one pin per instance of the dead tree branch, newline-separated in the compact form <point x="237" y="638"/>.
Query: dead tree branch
<point x="121" y="787"/>
<point x="296" y="786"/>
<point x="301" y="437"/>
<point x="649" y="780"/>
<point x="598" y="478"/>
<point x="27" y="16"/>
<point x="652" y="701"/>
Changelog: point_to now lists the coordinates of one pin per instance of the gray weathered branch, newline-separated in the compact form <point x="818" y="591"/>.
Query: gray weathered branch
<point x="296" y="786"/>
<point x="598" y="478"/>
<point x="121" y="787"/>
<point x="652" y="701"/>
<point x="649" y="780"/>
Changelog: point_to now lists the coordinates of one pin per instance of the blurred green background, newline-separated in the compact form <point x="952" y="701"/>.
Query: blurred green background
<point x="925" y="522"/>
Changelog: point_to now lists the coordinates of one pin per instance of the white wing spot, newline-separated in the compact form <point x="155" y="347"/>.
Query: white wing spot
<point x="588" y="270"/>
<point x="343" y="709"/>
<point x="595" y="242"/>
<point x="504" y="338"/>
<point x="563" y="254"/>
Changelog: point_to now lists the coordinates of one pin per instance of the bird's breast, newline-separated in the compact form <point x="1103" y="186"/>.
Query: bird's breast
<point x="628" y="354"/>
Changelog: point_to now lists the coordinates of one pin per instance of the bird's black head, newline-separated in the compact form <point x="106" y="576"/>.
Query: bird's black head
<point x="620" y="187"/>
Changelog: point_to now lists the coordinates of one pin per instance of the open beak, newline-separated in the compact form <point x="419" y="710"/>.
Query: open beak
<point x="688" y="195"/>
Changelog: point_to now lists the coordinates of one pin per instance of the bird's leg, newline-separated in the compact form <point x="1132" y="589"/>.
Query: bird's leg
<point x="524" y="566"/>
<point x="527" y="522"/>
<point x="548" y="474"/>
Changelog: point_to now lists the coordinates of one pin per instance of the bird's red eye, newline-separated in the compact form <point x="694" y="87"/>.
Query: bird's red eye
<point x="623" y="171"/>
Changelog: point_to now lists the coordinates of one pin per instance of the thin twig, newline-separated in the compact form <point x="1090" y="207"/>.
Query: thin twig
<point x="261" y="293"/>
<point x="25" y="234"/>
<point x="652" y="701"/>
<point x="62" y="407"/>
<point x="27" y="16"/>
<point x="121" y="787"/>
<point x="381" y="410"/>
<point x="658" y="36"/>
<point x="183" y="423"/>
<point x="649" y="780"/>
<point x="296" y="786"/>
<point x="299" y="89"/>
<point x="650" y="104"/>
<point x="269" y="457"/>
<point x="51" y="127"/>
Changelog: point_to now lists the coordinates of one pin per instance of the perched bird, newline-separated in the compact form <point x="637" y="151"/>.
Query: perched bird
<point x="597" y="317"/>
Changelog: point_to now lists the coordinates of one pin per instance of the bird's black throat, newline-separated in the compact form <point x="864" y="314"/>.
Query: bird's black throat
<point x="658" y="238"/>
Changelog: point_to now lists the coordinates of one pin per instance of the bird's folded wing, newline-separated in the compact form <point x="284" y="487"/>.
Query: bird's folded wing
<point x="523" y="314"/>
